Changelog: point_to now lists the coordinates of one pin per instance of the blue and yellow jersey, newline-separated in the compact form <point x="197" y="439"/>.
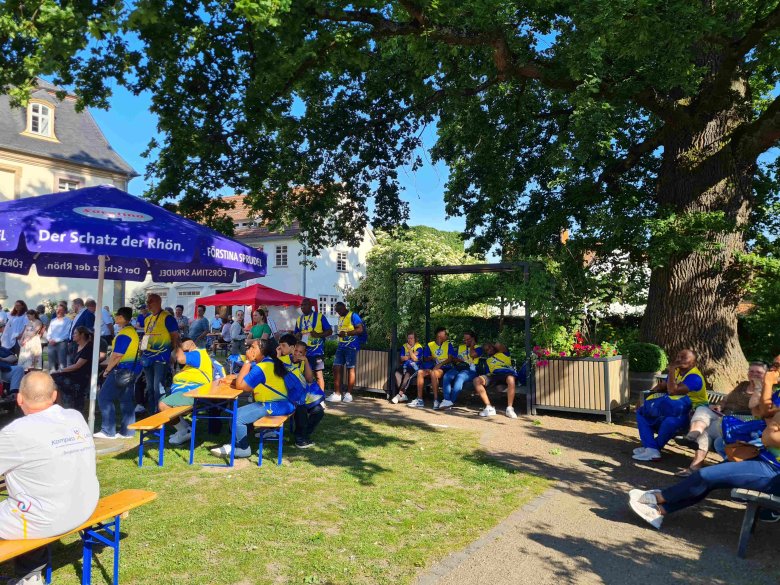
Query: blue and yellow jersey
<point x="500" y="363"/>
<point x="295" y="368"/>
<point x="697" y="388"/>
<point x="313" y="322"/>
<point x="158" y="329"/>
<point x="198" y="372"/>
<point x="126" y="343"/>
<point x="347" y="323"/>
<point x="464" y="353"/>
<point x="439" y="352"/>
<point x="415" y="350"/>
<point x="266" y="385"/>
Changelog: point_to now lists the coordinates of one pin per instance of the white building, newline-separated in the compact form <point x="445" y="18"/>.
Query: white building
<point x="337" y="269"/>
<point x="49" y="147"/>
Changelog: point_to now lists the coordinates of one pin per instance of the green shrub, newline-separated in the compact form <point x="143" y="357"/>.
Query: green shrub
<point x="645" y="357"/>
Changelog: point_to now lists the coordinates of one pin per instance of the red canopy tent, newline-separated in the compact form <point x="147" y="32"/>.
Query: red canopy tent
<point x="255" y="295"/>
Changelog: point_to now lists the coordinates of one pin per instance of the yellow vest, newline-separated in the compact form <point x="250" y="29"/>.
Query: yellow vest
<point x="440" y="352"/>
<point x="699" y="397"/>
<point x="263" y="394"/>
<point x="129" y="357"/>
<point x="157" y="333"/>
<point x="464" y="353"/>
<point x="193" y="379"/>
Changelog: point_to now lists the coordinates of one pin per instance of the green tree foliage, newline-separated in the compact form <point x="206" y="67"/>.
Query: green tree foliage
<point x="635" y="124"/>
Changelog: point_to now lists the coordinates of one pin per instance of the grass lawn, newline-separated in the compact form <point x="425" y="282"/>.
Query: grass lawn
<point x="372" y="503"/>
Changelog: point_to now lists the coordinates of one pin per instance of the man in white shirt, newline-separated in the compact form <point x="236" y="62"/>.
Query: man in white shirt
<point x="14" y="327"/>
<point x="107" y="325"/>
<point x="237" y="334"/>
<point x="48" y="459"/>
<point x="58" y="334"/>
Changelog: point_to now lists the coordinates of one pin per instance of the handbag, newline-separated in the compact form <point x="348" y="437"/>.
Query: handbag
<point x="126" y="376"/>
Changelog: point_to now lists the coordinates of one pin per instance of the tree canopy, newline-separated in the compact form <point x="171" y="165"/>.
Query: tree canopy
<point x="637" y="125"/>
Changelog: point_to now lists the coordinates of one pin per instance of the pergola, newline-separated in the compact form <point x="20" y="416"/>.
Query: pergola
<point x="429" y="271"/>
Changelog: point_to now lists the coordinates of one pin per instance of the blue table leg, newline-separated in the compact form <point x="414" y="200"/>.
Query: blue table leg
<point x="141" y="450"/>
<point x="161" y="455"/>
<point x="260" y="448"/>
<point x="233" y="432"/>
<point x="192" y="430"/>
<point x="281" y="444"/>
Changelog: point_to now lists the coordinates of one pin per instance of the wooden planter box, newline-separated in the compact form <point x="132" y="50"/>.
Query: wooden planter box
<point x="588" y="385"/>
<point x="371" y="370"/>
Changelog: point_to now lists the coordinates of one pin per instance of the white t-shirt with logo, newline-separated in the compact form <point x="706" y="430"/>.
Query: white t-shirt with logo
<point x="48" y="459"/>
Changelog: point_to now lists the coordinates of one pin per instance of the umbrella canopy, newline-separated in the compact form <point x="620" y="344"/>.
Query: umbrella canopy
<point x="99" y="231"/>
<point x="63" y="234"/>
<point x="255" y="295"/>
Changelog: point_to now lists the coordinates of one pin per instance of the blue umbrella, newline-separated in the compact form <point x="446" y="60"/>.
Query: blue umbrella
<point x="102" y="231"/>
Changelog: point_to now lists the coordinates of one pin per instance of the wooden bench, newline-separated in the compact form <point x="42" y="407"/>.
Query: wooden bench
<point x="154" y="426"/>
<point x="271" y="423"/>
<point x="754" y="500"/>
<point x="102" y="528"/>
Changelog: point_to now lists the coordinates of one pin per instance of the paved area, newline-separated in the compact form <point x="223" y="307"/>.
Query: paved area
<point x="582" y="531"/>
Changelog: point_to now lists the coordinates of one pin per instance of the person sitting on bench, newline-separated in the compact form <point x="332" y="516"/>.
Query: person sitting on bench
<point x="48" y="459"/>
<point x="706" y="420"/>
<point x="500" y="371"/>
<point x="200" y="372"/>
<point x="660" y="419"/>
<point x="262" y="373"/>
<point x="437" y="359"/>
<point x="308" y="398"/>
<point x="10" y="372"/>
<point x="761" y="473"/>
<point x="465" y="369"/>
<point x="411" y="355"/>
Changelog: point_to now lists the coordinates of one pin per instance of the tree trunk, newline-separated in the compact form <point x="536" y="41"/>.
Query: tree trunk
<point x="693" y="295"/>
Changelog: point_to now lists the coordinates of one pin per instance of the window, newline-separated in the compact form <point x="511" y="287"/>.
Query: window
<point x="281" y="255"/>
<point x="68" y="185"/>
<point x="327" y="304"/>
<point x="341" y="261"/>
<point x="39" y="120"/>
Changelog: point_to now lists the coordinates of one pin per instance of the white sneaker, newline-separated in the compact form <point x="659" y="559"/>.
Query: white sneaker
<point x="347" y="397"/>
<point x="487" y="411"/>
<point x="395" y="399"/>
<point x="403" y="398"/>
<point x="416" y="403"/>
<point x="224" y="451"/>
<point x="436" y="405"/>
<point x="648" y="455"/>
<point x="333" y="398"/>
<point x="510" y="412"/>
<point x="34" y="580"/>
<point x="180" y="437"/>
<point x="648" y="513"/>
<point x="446" y="404"/>
<point x="126" y="436"/>
<point x="643" y="497"/>
<point x="639" y="450"/>
<point x="102" y="435"/>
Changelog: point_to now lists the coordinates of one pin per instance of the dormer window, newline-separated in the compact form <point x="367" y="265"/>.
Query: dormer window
<point x="39" y="120"/>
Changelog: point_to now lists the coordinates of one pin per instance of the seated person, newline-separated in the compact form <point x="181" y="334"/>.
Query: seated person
<point x="411" y="355"/>
<point x="48" y="459"/>
<point x="659" y="419"/>
<point x="706" y="420"/>
<point x="761" y="473"/>
<point x="307" y="397"/>
<point x="500" y="371"/>
<point x="73" y="381"/>
<point x="200" y="372"/>
<point x="465" y="369"/>
<point x="10" y="372"/>
<point x="263" y="373"/>
<point x="437" y="358"/>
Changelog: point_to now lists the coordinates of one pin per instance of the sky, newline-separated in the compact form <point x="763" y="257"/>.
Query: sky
<point x="128" y="126"/>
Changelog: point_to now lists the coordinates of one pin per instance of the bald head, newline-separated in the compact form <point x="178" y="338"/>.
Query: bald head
<point x="38" y="389"/>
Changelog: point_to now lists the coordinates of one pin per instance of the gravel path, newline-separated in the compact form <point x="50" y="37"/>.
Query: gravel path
<point x="582" y="531"/>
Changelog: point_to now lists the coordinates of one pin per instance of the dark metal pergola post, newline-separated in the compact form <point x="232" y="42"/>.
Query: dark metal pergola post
<point x="427" y="286"/>
<point x="392" y="362"/>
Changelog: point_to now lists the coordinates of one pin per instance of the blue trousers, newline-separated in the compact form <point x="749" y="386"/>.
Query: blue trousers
<point x="256" y="410"/>
<point x="755" y="474"/>
<point x="666" y="428"/>
<point x="110" y="393"/>
<point x="155" y="378"/>
<point x="453" y="381"/>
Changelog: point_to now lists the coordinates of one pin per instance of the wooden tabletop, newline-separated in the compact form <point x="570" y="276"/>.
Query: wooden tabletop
<point x="222" y="392"/>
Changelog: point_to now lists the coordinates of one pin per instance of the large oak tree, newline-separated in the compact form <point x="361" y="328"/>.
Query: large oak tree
<point x="635" y="124"/>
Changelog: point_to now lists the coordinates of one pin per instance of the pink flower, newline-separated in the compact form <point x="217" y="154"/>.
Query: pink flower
<point x="596" y="355"/>
<point x="542" y="363"/>
<point x="563" y="353"/>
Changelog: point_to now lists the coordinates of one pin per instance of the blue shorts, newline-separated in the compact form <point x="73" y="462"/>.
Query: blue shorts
<point x="345" y="356"/>
<point x="316" y="362"/>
